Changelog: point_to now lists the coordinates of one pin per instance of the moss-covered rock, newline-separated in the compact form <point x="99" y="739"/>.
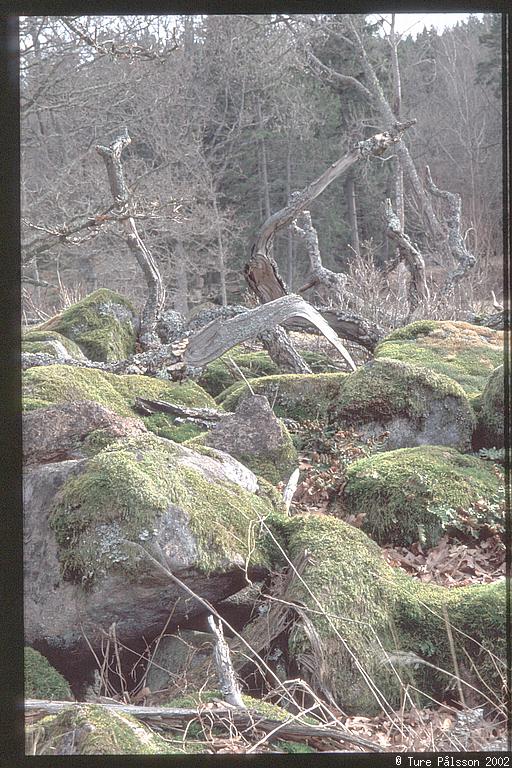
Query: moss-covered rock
<point x="293" y="396"/>
<point x="104" y="325"/>
<point x="51" y="384"/>
<point x="52" y="343"/>
<point x="414" y="405"/>
<point x="477" y="615"/>
<point x="218" y="375"/>
<point x="415" y="494"/>
<point x="490" y="431"/>
<point x="462" y="351"/>
<point x="255" y="437"/>
<point x="372" y="630"/>
<point x="42" y="681"/>
<point x="90" y="729"/>
<point x="345" y="584"/>
<point x="128" y="491"/>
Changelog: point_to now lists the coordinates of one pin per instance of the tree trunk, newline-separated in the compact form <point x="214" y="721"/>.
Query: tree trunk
<point x="350" y="192"/>
<point x="181" y="296"/>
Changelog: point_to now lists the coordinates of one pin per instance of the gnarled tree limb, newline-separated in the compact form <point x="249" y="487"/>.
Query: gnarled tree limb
<point x="460" y="253"/>
<point x="409" y="253"/>
<point x="112" y="158"/>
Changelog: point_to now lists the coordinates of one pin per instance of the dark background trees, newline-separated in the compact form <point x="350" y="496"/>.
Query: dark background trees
<point x="230" y="114"/>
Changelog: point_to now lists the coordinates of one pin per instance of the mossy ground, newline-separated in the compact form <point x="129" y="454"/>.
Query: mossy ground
<point x="42" y="681"/>
<point x="92" y="325"/>
<point x="293" y="396"/>
<point x="122" y="491"/>
<point x="462" y="351"/>
<point x="48" y="341"/>
<point x="477" y="615"/>
<point x="98" y="731"/>
<point x="217" y="377"/>
<point x="414" y="494"/>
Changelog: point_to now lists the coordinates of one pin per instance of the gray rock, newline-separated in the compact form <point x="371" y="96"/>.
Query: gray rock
<point x="57" y="433"/>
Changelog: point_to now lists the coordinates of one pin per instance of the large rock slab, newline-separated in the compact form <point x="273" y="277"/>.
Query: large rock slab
<point x="490" y="431"/>
<point x="50" y="343"/>
<point x="254" y="436"/>
<point x="465" y="352"/>
<point x="104" y="526"/>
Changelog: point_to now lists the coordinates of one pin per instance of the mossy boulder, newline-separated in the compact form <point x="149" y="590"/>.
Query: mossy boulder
<point x="466" y="353"/>
<point x="218" y="375"/>
<point x="255" y="437"/>
<point x="293" y="396"/>
<point x="53" y="384"/>
<point x="416" y="494"/>
<point x="51" y="343"/>
<point x="102" y="526"/>
<point x="344" y="587"/>
<point x="90" y="729"/>
<point x="412" y="405"/>
<point x="104" y="325"/>
<point x="42" y="681"/>
<point x="490" y="431"/>
<point x="372" y="630"/>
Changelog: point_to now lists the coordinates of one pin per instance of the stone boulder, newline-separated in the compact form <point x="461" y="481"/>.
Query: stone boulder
<point x="370" y="627"/>
<point x="417" y="494"/>
<point x="104" y="325"/>
<point x="490" y="432"/>
<point x="465" y="352"/>
<point x="98" y="530"/>
<point x="50" y="343"/>
<point x="255" y="437"/>
<point x="73" y="430"/>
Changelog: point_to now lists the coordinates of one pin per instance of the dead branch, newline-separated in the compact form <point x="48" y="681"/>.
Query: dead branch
<point x="227" y="678"/>
<point x="174" y="718"/>
<point x="205" y="416"/>
<point x="217" y="337"/>
<point x="410" y="254"/>
<point x="261" y="271"/>
<point x="111" y="156"/>
<point x="464" y="259"/>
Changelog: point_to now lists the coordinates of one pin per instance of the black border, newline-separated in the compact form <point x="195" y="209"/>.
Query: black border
<point x="11" y="573"/>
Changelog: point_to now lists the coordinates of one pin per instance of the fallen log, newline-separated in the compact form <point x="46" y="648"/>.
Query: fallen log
<point x="245" y="720"/>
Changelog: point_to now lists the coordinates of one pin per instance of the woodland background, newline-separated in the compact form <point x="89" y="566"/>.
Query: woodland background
<point x="230" y="114"/>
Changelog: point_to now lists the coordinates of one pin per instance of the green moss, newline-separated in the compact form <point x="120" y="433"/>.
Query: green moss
<point x="48" y="385"/>
<point x="42" y="681"/>
<point x="102" y="324"/>
<point x="414" y="494"/>
<point x="385" y="388"/>
<point x="491" y="419"/>
<point x="123" y="490"/>
<point x="294" y="396"/>
<point x="478" y="617"/>
<point x="163" y="425"/>
<point x="98" y="731"/>
<point x="462" y="351"/>
<point x="217" y="377"/>
<point x="48" y="342"/>
<point x="351" y="608"/>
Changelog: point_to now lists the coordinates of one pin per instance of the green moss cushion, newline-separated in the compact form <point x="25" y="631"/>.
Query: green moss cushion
<point x="415" y="494"/>
<point x="491" y="418"/>
<point x="466" y="353"/>
<point x="42" y="681"/>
